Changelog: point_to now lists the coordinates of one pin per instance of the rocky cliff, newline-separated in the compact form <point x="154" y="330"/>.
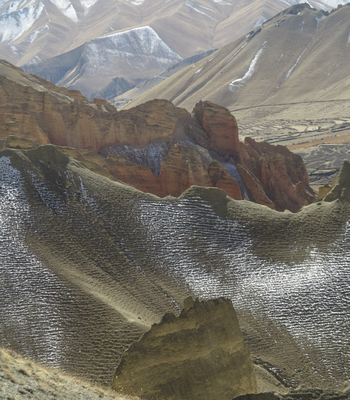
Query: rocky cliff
<point x="198" y="355"/>
<point x="156" y="147"/>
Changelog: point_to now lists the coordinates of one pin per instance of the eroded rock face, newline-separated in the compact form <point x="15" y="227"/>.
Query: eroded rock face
<point x="221" y="127"/>
<point x="198" y="355"/>
<point x="171" y="149"/>
<point x="281" y="173"/>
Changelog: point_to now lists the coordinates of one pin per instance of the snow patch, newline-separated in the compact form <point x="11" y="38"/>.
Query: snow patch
<point x="234" y="85"/>
<point x="135" y="2"/>
<point x="260" y="21"/>
<point x="197" y="72"/>
<point x="193" y="7"/>
<point x="289" y="73"/>
<point x="139" y="47"/>
<point x="87" y="3"/>
<point x="15" y="23"/>
<point x="35" y="60"/>
<point x="222" y="2"/>
<point x="35" y="34"/>
<point x="16" y="51"/>
<point x="66" y="7"/>
<point x="319" y="20"/>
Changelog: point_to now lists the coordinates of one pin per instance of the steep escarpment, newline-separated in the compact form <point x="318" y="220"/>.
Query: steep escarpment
<point x="179" y="359"/>
<point x="156" y="147"/>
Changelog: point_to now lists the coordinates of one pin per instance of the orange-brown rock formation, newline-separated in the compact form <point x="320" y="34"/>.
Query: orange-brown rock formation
<point x="281" y="173"/>
<point x="221" y="126"/>
<point x="193" y="145"/>
<point x="198" y="355"/>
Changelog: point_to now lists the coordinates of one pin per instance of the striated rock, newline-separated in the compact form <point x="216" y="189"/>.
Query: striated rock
<point x="182" y="168"/>
<point x="155" y="147"/>
<point x="221" y="178"/>
<point x="198" y="355"/>
<point x="221" y="127"/>
<point x="302" y="393"/>
<point x="254" y="188"/>
<point x="281" y="173"/>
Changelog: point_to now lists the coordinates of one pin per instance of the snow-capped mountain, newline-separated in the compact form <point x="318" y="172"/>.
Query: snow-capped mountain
<point x="111" y="63"/>
<point x="300" y="55"/>
<point x="34" y="31"/>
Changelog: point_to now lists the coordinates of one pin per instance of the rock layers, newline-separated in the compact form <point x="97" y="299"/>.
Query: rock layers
<point x="156" y="147"/>
<point x="198" y="355"/>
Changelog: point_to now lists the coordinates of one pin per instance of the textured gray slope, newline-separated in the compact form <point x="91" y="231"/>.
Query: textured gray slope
<point x="89" y="264"/>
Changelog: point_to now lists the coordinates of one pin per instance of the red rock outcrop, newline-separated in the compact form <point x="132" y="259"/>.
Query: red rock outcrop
<point x="221" y="178"/>
<point x="281" y="173"/>
<point x="221" y="127"/>
<point x="37" y="110"/>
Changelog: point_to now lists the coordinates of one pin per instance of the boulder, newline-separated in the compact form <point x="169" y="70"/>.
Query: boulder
<point x="198" y="355"/>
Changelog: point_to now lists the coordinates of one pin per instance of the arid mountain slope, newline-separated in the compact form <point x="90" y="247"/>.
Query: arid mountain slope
<point x="88" y="265"/>
<point x="156" y="147"/>
<point x="299" y="55"/>
<point x="74" y="42"/>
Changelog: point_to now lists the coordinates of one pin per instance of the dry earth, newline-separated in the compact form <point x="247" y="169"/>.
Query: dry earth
<point x="22" y="378"/>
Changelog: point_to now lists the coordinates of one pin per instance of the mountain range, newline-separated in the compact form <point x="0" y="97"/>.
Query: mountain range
<point x="300" y="55"/>
<point x="114" y="44"/>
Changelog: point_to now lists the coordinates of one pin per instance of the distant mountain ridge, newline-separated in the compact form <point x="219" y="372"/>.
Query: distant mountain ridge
<point x="299" y="55"/>
<point x="33" y="32"/>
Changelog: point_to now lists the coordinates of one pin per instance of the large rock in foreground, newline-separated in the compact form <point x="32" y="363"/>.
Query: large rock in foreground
<point x="198" y="355"/>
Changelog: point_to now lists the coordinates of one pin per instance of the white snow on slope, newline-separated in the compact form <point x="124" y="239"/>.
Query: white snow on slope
<point x="16" y="23"/>
<point x="234" y="85"/>
<point x="260" y="21"/>
<point x="87" y="3"/>
<point x="145" y="39"/>
<point x="35" y="34"/>
<point x="139" y="47"/>
<point x="193" y="7"/>
<point x="289" y="73"/>
<point x="135" y="2"/>
<point x="66" y="7"/>
<point x="222" y="2"/>
<point x="319" y="20"/>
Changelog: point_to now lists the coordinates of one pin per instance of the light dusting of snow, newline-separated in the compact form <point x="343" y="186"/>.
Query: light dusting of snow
<point x="319" y="20"/>
<point x="87" y="3"/>
<point x="194" y="7"/>
<point x="139" y="47"/>
<point x="289" y="73"/>
<point x="34" y="60"/>
<point x="35" y="34"/>
<point x="15" y="51"/>
<point x="222" y="2"/>
<point x="15" y="23"/>
<point x="234" y="85"/>
<point x="66" y="7"/>
<point x="135" y="2"/>
<point x="260" y="21"/>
